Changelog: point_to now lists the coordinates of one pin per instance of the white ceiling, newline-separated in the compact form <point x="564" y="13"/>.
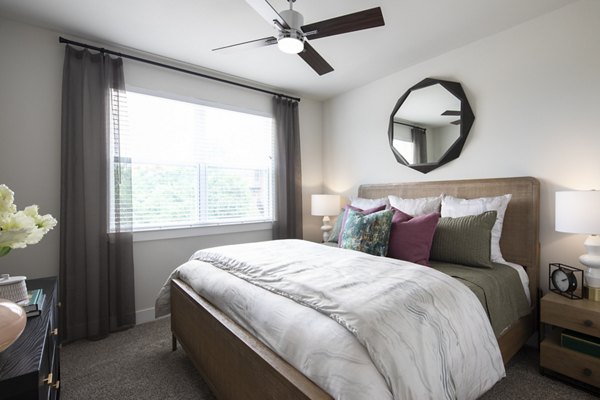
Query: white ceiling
<point x="187" y="30"/>
<point x="425" y="107"/>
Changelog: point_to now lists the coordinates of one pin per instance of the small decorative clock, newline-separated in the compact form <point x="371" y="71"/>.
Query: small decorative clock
<point x="565" y="280"/>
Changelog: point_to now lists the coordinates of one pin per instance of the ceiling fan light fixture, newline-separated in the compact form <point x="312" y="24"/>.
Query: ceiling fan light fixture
<point x="293" y="35"/>
<point x="290" y="41"/>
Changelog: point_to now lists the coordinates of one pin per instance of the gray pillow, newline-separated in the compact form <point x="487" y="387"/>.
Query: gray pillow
<point x="464" y="240"/>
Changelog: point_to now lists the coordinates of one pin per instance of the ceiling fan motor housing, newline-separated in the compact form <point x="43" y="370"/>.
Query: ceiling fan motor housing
<point x="293" y="18"/>
<point x="291" y="34"/>
<point x="291" y="40"/>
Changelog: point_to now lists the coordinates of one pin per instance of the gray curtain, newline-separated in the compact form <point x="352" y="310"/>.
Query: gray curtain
<point x="96" y="266"/>
<point x="287" y="222"/>
<point x="419" y="139"/>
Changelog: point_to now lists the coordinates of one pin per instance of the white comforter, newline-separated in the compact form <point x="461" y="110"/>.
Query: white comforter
<point x="360" y="326"/>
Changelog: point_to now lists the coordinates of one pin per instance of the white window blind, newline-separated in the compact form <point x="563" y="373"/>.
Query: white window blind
<point x="194" y="165"/>
<point x="406" y="149"/>
<point x="403" y="142"/>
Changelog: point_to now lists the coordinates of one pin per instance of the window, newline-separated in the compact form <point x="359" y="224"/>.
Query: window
<point x="406" y="149"/>
<point x="403" y="141"/>
<point x="195" y="165"/>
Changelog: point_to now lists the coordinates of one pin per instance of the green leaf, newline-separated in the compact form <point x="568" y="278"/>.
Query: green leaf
<point x="4" y="251"/>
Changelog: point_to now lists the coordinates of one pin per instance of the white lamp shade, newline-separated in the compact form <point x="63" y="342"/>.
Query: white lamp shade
<point x="578" y="212"/>
<point x="325" y="204"/>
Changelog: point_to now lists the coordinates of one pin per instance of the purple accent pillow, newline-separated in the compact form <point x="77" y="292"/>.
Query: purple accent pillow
<point x="364" y="212"/>
<point x="411" y="237"/>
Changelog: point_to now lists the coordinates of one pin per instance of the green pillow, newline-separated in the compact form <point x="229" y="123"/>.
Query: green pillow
<point x="367" y="233"/>
<point x="464" y="240"/>
<point x="334" y="235"/>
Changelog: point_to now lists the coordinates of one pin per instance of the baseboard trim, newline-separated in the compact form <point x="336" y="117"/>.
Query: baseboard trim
<point x="146" y="315"/>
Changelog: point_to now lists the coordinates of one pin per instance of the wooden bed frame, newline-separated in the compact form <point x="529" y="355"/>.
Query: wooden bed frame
<point x="236" y="365"/>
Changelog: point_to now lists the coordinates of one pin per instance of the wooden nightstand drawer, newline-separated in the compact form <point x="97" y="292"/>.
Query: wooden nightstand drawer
<point x="578" y="315"/>
<point x="570" y="363"/>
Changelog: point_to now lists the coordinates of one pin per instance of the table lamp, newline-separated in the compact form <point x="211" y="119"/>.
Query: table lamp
<point x="324" y="205"/>
<point x="579" y="212"/>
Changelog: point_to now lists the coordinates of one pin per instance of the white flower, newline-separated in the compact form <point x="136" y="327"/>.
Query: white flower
<point x="46" y="222"/>
<point x="15" y="230"/>
<point x="31" y="211"/>
<point x="43" y="222"/>
<point x="18" y="221"/>
<point x="35" y="235"/>
<point x="7" y="197"/>
<point x="15" y="239"/>
<point x="20" y="228"/>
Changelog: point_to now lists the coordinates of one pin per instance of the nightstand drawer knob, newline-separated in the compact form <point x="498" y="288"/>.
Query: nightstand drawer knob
<point x="588" y="323"/>
<point x="587" y="372"/>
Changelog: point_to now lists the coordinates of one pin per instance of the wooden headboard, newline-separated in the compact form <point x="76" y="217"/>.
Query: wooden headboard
<point x="520" y="233"/>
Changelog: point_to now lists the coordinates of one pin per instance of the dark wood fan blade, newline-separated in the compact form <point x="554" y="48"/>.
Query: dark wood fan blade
<point x="347" y="23"/>
<point x="451" y="112"/>
<point x="457" y="122"/>
<point x="251" y="44"/>
<point x="315" y="60"/>
<point x="266" y="10"/>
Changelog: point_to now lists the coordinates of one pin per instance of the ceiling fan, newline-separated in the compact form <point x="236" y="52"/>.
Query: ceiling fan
<point x="453" y="112"/>
<point x="293" y="34"/>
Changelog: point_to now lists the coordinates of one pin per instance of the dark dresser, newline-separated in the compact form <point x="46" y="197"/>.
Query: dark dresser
<point x="30" y="367"/>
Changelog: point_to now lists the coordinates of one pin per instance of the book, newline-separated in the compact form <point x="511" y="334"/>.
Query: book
<point x="36" y="300"/>
<point x="580" y="342"/>
<point x="38" y="310"/>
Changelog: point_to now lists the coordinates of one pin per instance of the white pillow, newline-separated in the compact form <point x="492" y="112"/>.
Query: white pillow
<point x="416" y="207"/>
<point x="366" y="204"/>
<point x="455" y="207"/>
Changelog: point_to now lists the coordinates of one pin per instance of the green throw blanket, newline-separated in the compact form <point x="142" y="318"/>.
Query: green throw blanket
<point x="499" y="289"/>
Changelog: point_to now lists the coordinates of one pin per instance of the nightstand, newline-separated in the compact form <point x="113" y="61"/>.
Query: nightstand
<point x="581" y="316"/>
<point x="30" y="367"/>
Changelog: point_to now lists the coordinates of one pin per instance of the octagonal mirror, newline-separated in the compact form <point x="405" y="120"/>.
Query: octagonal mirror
<point x="430" y="124"/>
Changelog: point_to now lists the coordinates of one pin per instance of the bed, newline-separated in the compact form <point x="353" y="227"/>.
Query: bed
<point x="237" y="365"/>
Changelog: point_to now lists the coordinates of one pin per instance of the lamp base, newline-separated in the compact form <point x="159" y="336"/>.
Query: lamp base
<point x="591" y="293"/>
<point x="326" y="228"/>
<point x="592" y="261"/>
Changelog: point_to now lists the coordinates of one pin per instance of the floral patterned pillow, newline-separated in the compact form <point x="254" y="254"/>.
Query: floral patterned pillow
<point x="334" y="235"/>
<point x="367" y="233"/>
<point x="347" y="209"/>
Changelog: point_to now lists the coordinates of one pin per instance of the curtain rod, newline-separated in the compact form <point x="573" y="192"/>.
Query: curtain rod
<point x="167" y="66"/>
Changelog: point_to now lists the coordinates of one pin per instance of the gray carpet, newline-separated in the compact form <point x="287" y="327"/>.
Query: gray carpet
<point x="139" y="364"/>
<point x="134" y="364"/>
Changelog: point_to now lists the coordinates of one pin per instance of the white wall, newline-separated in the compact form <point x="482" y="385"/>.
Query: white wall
<point x="535" y="92"/>
<point x="30" y="106"/>
<point x="30" y="103"/>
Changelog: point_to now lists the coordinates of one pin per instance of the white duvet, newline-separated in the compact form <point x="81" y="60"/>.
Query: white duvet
<point x="359" y="326"/>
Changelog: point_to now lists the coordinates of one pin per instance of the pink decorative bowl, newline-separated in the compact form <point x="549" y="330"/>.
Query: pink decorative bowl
<point x="12" y="323"/>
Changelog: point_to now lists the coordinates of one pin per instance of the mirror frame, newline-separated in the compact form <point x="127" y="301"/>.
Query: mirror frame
<point x="466" y="117"/>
